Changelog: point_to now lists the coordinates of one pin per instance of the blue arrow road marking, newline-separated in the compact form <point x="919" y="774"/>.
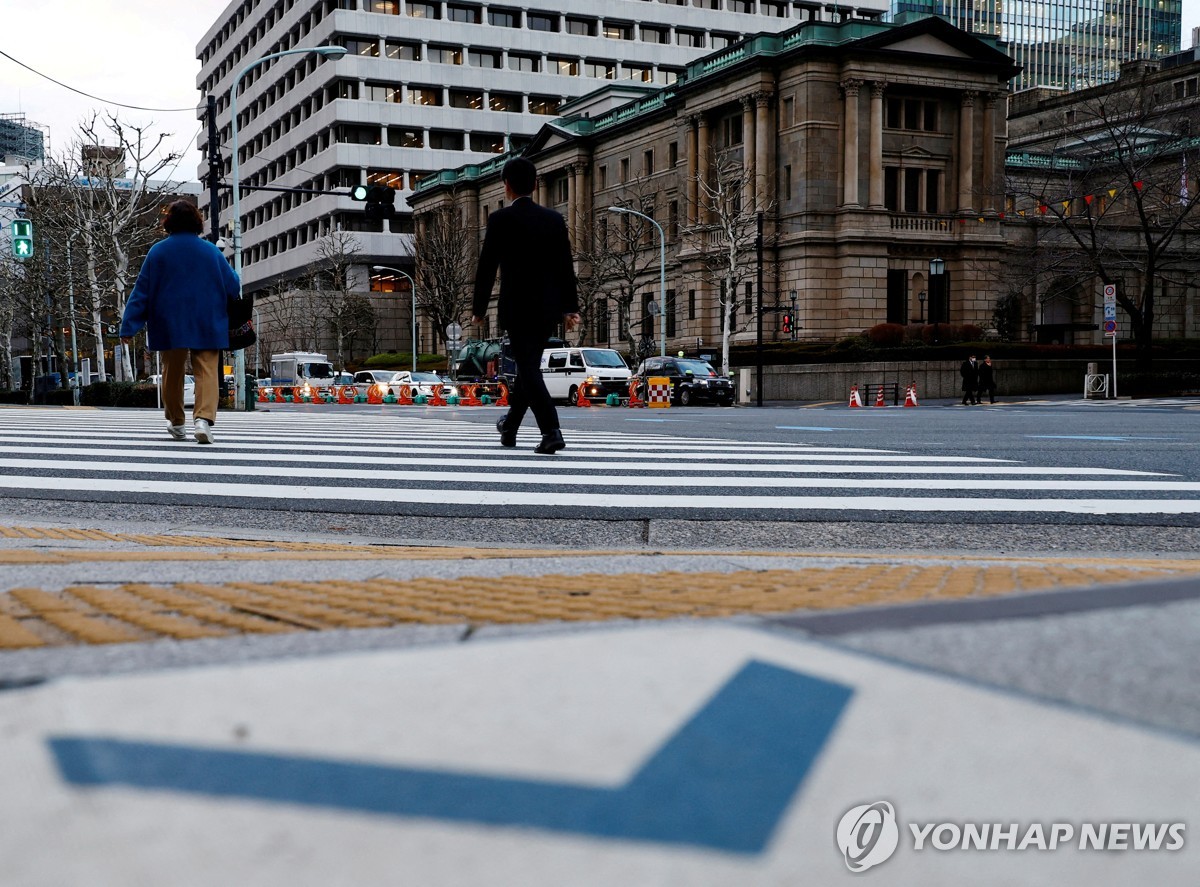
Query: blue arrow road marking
<point x="1092" y="437"/>
<point x="814" y="428"/>
<point x="723" y="781"/>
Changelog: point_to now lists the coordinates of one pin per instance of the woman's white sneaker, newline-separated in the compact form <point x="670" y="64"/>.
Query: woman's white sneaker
<point x="176" y="431"/>
<point x="203" y="431"/>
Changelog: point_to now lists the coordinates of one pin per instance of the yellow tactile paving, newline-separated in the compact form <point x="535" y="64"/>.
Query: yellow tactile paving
<point x="133" y="612"/>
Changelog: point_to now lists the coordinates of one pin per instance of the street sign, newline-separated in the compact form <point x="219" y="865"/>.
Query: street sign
<point x="1110" y="312"/>
<point x="453" y="331"/>
<point x="1110" y="326"/>
<point x="22" y="238"/>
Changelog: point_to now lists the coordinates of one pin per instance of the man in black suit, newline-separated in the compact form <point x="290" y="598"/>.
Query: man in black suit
<point x="969" y="370"/>
<point x="530" y="247"/>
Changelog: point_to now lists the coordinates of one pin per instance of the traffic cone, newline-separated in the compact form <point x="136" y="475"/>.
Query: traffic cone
<point x="437" y="400"/>
<point x="879" y="398"/>
<point x="502" y="400"/>
<point x="581" y="398"/>
<point x="910" y="395"/>
<point x="855" y="400"/>
<point x="347" y="393"/>
<point x="634" y="400"/>
<point x="405" y="396"/>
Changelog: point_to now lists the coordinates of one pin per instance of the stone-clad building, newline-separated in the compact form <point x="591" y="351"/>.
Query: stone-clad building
<point x="869" y="150"/>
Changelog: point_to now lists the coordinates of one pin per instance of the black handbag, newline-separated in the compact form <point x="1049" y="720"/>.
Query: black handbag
<point x="241" y="323"/>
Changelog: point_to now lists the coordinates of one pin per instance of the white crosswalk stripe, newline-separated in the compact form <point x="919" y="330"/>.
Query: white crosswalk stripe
<point x="394" y="464"/>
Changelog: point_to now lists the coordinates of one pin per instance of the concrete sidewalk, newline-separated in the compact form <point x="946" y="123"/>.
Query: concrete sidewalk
<point x="359" y="714"/>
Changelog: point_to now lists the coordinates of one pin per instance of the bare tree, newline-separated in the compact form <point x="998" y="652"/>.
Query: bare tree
<point x="628" y="251"/>
<point x="347" y="314"/>
<point x="445" y="265"/>
<point x="729" y="227"/>
<point x="1119" y="192"/>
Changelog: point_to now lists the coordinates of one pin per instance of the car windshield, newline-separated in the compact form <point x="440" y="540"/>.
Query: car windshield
<point x="317" y="370"/>
<point x="426" y="377"/>
<point x="597" y="357"/>
<point x="695" y="367"/>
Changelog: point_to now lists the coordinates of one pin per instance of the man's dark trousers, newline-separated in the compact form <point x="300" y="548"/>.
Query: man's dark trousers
<point x="530" y="391"/>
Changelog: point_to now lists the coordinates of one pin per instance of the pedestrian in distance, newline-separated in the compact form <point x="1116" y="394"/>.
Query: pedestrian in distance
<point x="970" y="380"/>
<point x="528" y="244"/>
<point x="987" y="379"/>
<point x="182" y="298"/>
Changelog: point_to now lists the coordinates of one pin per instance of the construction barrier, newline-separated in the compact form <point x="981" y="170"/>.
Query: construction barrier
<point x="658" y="391"/>
<point x="581" y="399"/>
<point x="879" y="398"/>
<point x="406" y="398"/>
<point x="470" y="396"/>
<point x="634" y="400"/>
<point x="437" y="400"/>
<point x="855" y="400"/>
<point x="346" y="394"/>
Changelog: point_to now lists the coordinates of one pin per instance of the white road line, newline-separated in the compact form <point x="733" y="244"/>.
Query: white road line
<point x="440" y="478"/>
<point x="607" y="501"/>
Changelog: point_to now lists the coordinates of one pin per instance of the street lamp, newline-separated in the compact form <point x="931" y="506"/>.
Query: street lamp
<point x="937" y="288"/>
<point x="662" y="268"/>
<point x="413" y="286"/>
<point x="332" y="52"/>
<point x="921" y="299"/>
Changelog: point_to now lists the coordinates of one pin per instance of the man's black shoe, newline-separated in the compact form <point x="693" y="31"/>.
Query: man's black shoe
<point x="507" y="438"/>
<point x="551" y="443"/>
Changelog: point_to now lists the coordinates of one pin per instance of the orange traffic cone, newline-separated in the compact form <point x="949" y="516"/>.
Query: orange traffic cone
<point x="879" y="398"/>
<point x="502" y="400"/>
<point x="634" y="400"/>
<point x="910" y="396"/>
<point x="855" y="400"/>
<point x="581" y="398"/>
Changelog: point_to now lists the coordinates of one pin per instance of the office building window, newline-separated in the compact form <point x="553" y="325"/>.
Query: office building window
<point x="352" y="134"/>
<point x="503" y="18"/>
<point x="618" y="30"/>
<point x="685" y="37"/>
<point x="652" y="34"/>
<point x="672" y="220"/>
<point x="624" y="171"/>
<point x="648" y="163"/>
<point x="409" y="52"/>
<point x="488" y="142"/>
<point x="505" y="101"/>
<point x="520" y="62"/>
<point x="720" y="41"/>
<point x="914" y="114"/>
<point x="544" y="104"/>
<point x="641" y="73"/>
<point x="691" y="304"/>
<point x="672" y="154"/>
<point x="383" y="92"/>
<point x="416" y="175"/>
<point x="600" y="70"/>
<point x="483" y="58"/>
<point x="582" y="27"/>
<point x="538" y="21"/>
<point x="564" y="67"/>
<point x="602" y="181"/>
<point x="446" y="55"/>
<point x="367" y="46"/>
<point x="729" y="130"/>
<point x="387" y="178"/>
<point x="562" y="191"/>
<point x="744" y="6"/>
<point x="466" y="98"/>
<point x="423" y="10"/>
<point x="399" y="137"/>
<point x="384" y="7"/>
<point x="445" y="140"/>
<point x="667" y="75"/>
<point x="424" y="95"/>
<point x="472" y="15"/>
<point x="346" y="89"/>
<point x="773" y="9"/>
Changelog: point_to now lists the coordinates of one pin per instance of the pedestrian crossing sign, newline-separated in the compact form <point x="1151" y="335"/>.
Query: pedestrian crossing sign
<point x="22" y="238"/>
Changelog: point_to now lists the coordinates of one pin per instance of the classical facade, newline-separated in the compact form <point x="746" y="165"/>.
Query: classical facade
<point x="871" y="153"/>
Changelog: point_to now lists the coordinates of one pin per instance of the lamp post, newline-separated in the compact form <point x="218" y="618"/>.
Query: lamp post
<point x="333" y="52"/>
<point x="413" y="286"/>
<point x="921" y="299"/>
<point x="937" y="290"/>
<point x="662" y="268"/>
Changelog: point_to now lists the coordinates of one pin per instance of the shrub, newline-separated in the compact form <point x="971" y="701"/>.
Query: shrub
<point x="56" y="397"/>
<point x="119" y="394"/>
<point x="1153" y="384"/>
<point x="886" y="335"/>
<point x="13" y="395"/>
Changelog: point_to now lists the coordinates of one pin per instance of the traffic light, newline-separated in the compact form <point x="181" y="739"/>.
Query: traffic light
<point x="22" y="238"/>
<point x="380" y="200"/>
<point x="787" y="322"/>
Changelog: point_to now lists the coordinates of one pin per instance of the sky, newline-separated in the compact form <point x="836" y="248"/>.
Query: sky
<point x="139" y="52"/>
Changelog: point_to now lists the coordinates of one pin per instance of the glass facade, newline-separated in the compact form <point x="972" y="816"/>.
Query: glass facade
<point x="1067" y="44"/>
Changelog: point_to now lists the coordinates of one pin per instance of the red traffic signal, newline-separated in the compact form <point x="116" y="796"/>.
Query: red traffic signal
<point x="787" y="322"/>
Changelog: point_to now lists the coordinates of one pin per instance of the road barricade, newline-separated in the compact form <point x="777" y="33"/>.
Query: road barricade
<point x="347" y="394"/>
<point x="634" y="400"/>
<point x="658" y="392"/>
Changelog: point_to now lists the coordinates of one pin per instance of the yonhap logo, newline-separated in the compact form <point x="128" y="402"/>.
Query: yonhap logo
<point x="868" y="835"/>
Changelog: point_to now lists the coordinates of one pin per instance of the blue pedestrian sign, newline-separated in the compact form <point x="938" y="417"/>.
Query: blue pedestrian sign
<point x="22" y="238"/>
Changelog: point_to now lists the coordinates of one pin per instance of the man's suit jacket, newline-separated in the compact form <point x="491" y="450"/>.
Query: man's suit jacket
<point x="530" y="247"/>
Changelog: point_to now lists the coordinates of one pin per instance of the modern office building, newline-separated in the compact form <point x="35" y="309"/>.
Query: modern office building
<point x="428" y="85"/>
<point x="1066" y="44"/>
<point x="21" y="141"/>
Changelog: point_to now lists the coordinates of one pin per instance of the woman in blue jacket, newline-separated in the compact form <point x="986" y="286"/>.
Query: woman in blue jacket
<point x="182" y="298"/>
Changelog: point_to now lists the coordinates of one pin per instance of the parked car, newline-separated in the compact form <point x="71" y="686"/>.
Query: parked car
<point x="424" y="383"/>
<point x="692" y="380"/>
<point x="189" y="388"/>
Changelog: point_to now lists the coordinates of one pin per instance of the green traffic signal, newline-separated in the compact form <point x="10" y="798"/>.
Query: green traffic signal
<point x="358" y="192"/>
<point x="22" y="238"/>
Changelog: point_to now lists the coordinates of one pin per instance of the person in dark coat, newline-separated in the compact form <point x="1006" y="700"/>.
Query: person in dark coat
<point x="182" y="298"/>
<point x="987" y="379"/>
<point x="970" y="380"/>
<point x="530" y="247"/>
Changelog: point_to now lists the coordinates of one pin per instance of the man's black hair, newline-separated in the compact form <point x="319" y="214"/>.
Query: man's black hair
<point x="521" y="175"/>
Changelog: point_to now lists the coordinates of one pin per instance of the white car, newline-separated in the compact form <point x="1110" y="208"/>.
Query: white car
<point x="189" y="388"/>
<point x="423" y="383"/>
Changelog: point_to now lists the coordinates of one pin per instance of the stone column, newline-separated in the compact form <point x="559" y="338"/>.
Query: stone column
<point x="850" y="144"/>
<point x="763" y="144"/>
<point x="966" y="151"/>
<point x="749" y="174"/>
<point x="579" y="199"/>
<point x="693" y="169"/>
<point x="701" y="165"/>
<point x="572" y="196"/>
<point x="989" y="152"/>
<point x="875" y="188"/>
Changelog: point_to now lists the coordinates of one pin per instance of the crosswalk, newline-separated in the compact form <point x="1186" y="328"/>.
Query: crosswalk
<point x="423" y="463"/>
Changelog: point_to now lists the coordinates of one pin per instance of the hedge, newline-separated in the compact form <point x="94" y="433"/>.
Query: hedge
<point x="119" y="394"/>
<point x="13" y="395"/>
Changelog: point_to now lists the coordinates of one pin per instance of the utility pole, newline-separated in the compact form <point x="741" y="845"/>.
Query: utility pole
<point x="214" y="172"/>
<point x="758" y="248"/>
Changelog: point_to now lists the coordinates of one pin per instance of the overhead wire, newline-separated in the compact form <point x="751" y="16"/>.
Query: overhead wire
<point x="88" y="94"/>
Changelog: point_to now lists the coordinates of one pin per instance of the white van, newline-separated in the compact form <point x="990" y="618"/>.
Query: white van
<point x="599" y="371"/>
<point x="293" y="368"/>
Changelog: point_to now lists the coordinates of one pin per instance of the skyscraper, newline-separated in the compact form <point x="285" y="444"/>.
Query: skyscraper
<point x="1067" y="44"/>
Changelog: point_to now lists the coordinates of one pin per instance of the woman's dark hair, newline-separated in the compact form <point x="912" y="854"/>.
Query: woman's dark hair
<point x="182" y="216"/>
<point x="521" y="175"/>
